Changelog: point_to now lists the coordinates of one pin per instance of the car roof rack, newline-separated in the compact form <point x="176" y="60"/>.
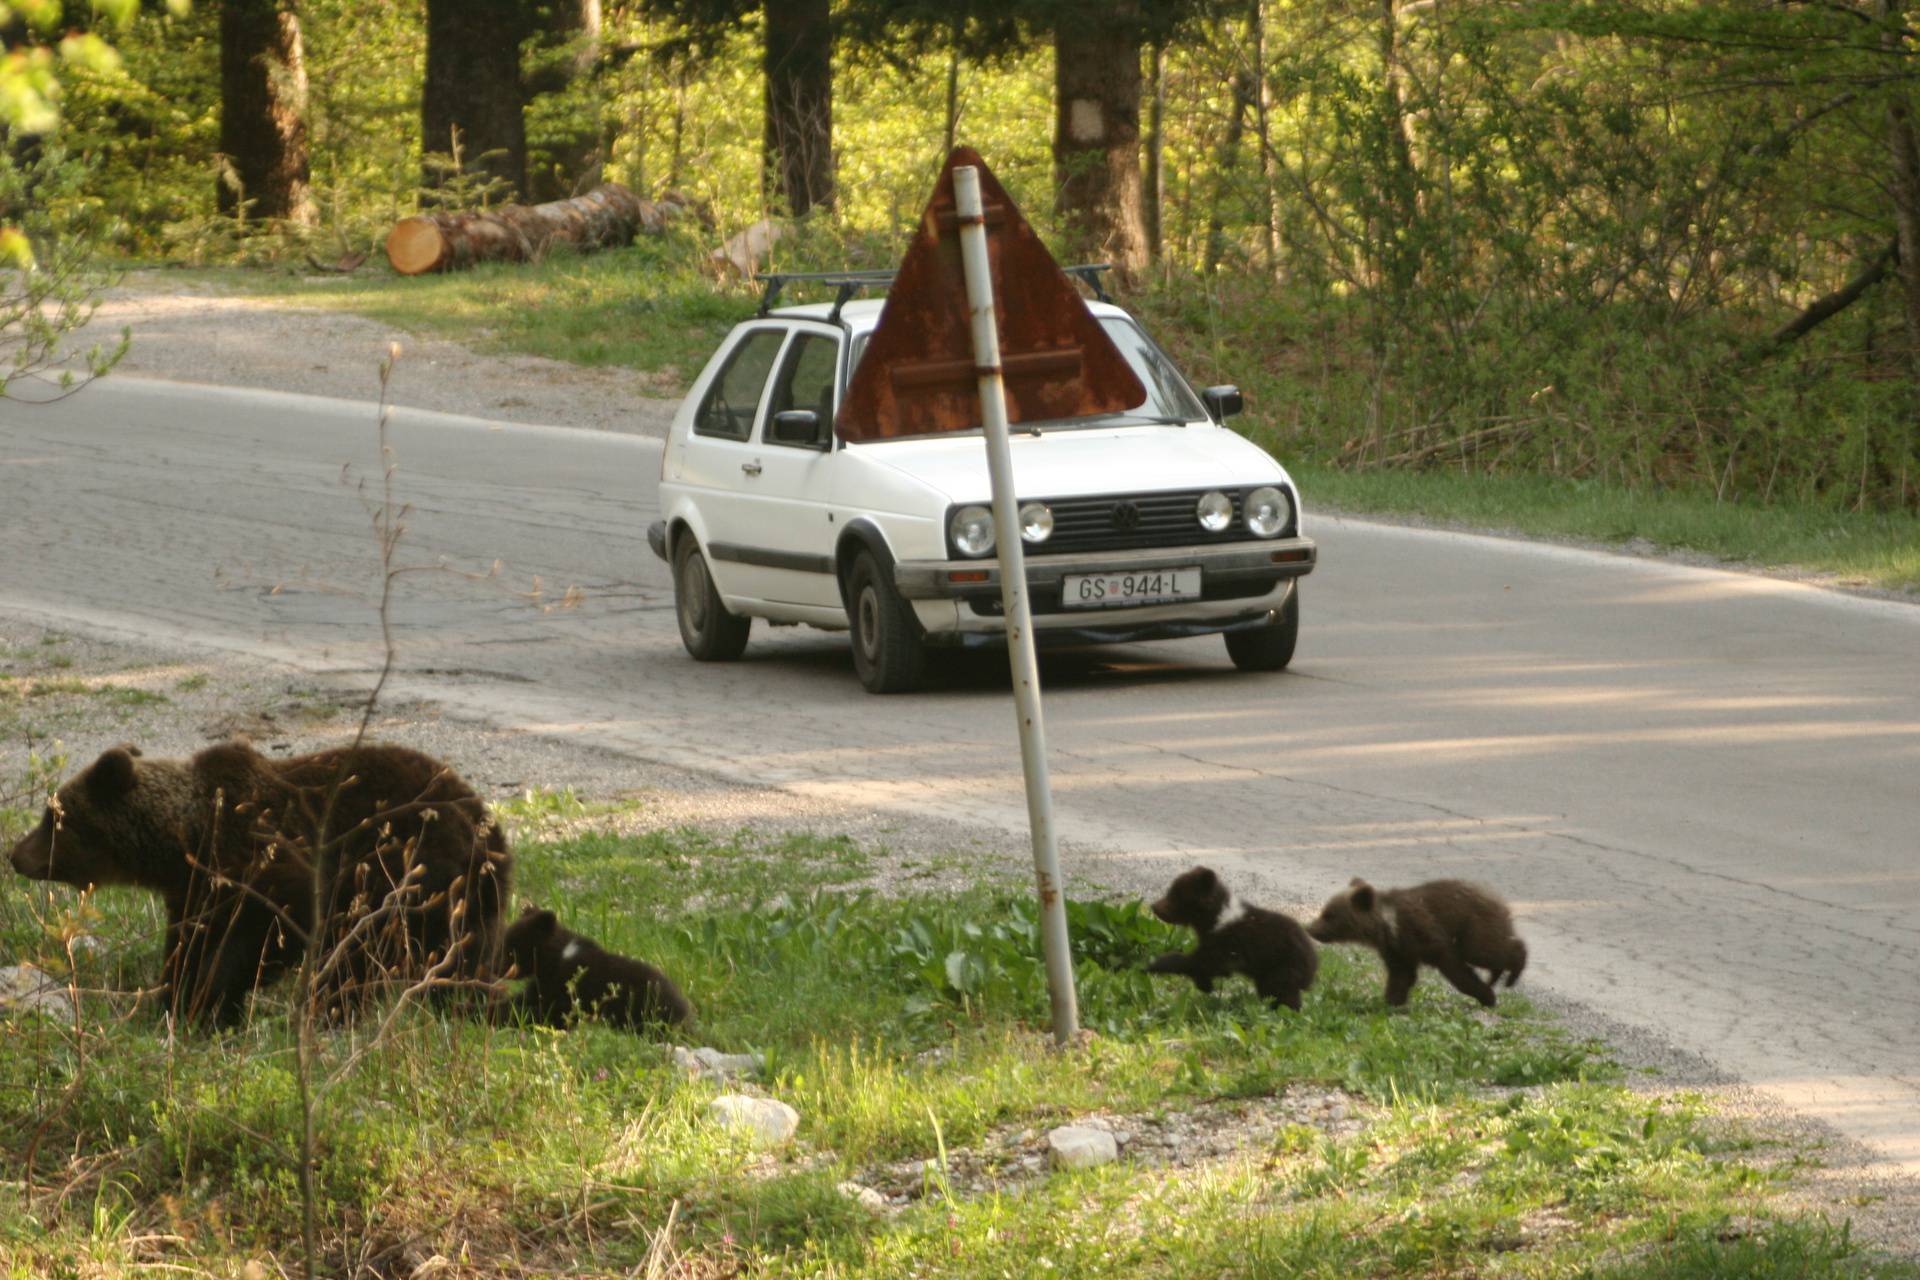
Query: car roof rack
<point x="846" y="284"/>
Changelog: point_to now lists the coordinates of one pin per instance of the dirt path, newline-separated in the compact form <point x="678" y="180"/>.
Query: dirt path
<point x="190" y="330"/>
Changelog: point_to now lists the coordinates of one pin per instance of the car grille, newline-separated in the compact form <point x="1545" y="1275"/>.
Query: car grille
<point x="1127" y="521"/>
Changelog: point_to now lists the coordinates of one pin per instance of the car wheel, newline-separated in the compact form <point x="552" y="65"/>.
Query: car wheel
<point x="1268" y="648"/>
<point x="710" y="633"/>
<point x="888" y="654"/>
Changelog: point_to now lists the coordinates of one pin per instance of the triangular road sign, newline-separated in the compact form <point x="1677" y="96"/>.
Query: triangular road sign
<point x="918" y="375"/>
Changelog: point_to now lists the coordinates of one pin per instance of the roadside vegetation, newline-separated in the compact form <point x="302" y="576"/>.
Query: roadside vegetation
<point x="908" y="1032"/>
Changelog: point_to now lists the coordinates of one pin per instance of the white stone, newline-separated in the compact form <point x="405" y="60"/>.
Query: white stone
<point x="1078" y="1147"/>
<point x="711" y="1062"/>
<point x="866" y="1197"/>
<point x="767" y="1122"/>
<point x="25" y="987"/>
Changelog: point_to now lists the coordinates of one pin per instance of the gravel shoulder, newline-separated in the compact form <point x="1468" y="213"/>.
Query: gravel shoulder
<point x="189" y="329"/>
<point x="89" y="692"/>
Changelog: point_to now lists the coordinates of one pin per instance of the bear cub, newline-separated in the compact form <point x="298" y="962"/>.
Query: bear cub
<point x="569" y="971"/>
<point x="1235" y="937"/>
<point x="1452" y="925"/>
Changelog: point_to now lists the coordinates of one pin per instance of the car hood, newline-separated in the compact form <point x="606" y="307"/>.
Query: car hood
<point x="1071" y="463"/>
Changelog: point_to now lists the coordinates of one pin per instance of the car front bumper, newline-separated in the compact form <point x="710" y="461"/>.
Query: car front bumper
<point x="1242" y="584"/>
<point x="1240" y="563"/>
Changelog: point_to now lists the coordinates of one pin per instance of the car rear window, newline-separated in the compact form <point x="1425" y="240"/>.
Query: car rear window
<point x="1169" y="398"/>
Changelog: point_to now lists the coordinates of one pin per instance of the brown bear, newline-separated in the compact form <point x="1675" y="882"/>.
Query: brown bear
<point x="569" y="972"/>
<point x="1235" y="937"/>
<point x="1449" y="924"/>
<point x="412" y="869"/>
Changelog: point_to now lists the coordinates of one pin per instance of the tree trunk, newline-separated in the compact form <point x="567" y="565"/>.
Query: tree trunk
<point x="571" y="158"/>
<point x="1396" y="236"/>
<point x="799" y="111"/>
<point x="1263" y="104"/>
<point x="608" y="216"/>
<point x="1096" y="132"/>
<point x="1243" y="97"/>
<point x="472" y="105"/>
<point x="263" y="100"/>
<point x="1153" y="192"/>
<point x="953" y="102"/>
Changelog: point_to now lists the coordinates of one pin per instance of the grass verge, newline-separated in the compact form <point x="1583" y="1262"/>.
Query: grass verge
<point x="1343" y="1141"/>
<point x="1856" y="549"/>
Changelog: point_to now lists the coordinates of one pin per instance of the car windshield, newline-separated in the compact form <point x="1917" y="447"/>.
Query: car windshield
<point x="1169" y="399"/>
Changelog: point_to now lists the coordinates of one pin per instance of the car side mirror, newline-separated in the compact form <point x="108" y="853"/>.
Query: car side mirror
<point x="1223" y="402"/>
<point x="797" y="427"/>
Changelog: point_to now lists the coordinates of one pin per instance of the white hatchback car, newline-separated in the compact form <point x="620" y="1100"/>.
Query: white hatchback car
<point x="1145" y="525"/>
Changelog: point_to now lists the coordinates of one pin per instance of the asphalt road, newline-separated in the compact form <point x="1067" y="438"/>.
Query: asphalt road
<point x="1700" y="789"/>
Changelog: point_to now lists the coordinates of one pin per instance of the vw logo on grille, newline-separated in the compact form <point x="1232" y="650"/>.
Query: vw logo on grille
<point x="1126" y="516"/>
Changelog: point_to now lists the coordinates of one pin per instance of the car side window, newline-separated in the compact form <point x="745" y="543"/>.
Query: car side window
<point x="734" y="398"/>
<point x="806" y="381"/>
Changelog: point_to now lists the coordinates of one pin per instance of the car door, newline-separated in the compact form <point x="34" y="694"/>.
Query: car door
<point x="721" y="457"/>
<point x="789" y="531"/>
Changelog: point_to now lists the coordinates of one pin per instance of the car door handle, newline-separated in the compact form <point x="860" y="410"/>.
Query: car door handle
<point x="751" y="468"/>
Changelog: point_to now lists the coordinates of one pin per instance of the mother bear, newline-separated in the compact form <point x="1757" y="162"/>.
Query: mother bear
<point x="412" y="869"/>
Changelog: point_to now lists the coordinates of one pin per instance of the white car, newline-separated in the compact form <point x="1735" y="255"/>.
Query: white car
<point x="1146" y="525"/>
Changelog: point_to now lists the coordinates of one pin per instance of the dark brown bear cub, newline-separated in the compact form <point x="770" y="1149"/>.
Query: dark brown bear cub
<point x="416" y="869"/>
<point x="1449" y="924"/>
<point x="1266" y="946"/>
<point x="569" y="972"/>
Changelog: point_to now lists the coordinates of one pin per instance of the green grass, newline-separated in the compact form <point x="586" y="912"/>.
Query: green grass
<point x="902" y="1029"/>
<point x="1854" y="548"/>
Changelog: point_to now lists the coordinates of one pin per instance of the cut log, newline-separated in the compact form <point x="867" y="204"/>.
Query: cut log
<point x="605" y="217"/>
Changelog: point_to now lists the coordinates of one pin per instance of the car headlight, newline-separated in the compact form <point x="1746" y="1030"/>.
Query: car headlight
<point x="1214" y="511"/>
<point x="1269" y="510"/>
<point x="1036" y="521"/>
<point x="971" y="529"/>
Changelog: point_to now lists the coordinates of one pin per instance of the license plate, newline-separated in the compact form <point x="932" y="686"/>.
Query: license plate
<point x="1144" y="586"/>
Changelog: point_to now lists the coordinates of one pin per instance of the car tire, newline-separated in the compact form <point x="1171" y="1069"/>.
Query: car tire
<point x="888" y="653"/>
<point x="1268" y="648"/>
<point x="709" y="632"/>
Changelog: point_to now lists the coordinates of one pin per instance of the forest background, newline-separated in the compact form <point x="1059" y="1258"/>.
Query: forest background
<point x="1653" y="246"/>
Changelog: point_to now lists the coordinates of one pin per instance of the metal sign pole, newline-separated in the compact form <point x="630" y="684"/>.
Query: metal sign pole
<point x="1018" y="611"/>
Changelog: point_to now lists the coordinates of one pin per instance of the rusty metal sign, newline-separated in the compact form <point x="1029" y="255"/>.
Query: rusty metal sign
<point x="918" y="374"/>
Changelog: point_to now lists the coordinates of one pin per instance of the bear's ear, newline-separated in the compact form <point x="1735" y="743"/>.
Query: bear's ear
<point x="1362" y="897"/>
<point x="540" y="924"/>
<point x="112" y="774"/>
<point x="1204" y="878"/>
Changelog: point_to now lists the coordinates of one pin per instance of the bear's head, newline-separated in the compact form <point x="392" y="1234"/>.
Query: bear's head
<point x="528" y="936"/>
<point x="1352" y="915"/>
<point x="1195" y="899"/>
<point x="118" y="821"/>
